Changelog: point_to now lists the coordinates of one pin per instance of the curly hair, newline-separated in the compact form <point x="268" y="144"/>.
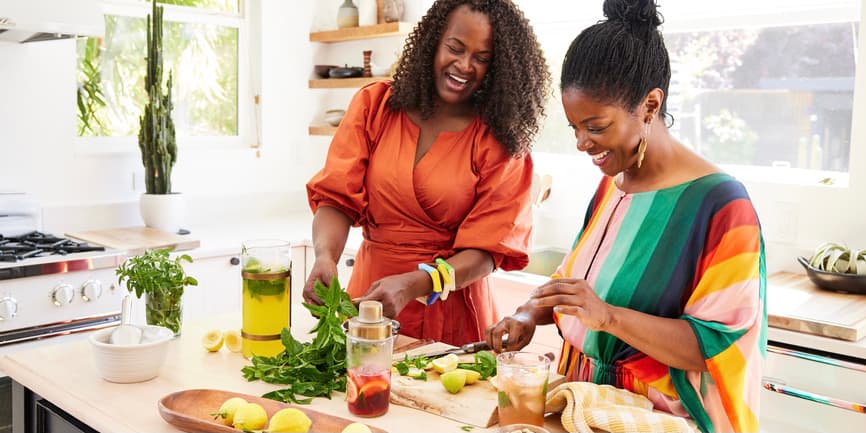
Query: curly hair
<point x="512" y="94"/>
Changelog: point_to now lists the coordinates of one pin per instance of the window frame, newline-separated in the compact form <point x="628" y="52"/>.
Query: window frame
<point x="246" y="136"/>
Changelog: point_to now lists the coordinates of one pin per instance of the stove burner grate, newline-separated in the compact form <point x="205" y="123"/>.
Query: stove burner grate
<point x="38" y="244"/>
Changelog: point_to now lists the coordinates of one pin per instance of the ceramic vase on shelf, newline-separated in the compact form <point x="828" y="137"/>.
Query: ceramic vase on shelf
<point x="392" y="10"/>
<point x="367" y="12"/>
<point x="347" y="15"/>
<point x="163" y="211"/>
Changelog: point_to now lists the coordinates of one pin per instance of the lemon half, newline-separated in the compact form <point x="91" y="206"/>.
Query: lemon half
<point x="212" y="340"/>
<point x="233" y="340"/>
<point x="446" y="363"/>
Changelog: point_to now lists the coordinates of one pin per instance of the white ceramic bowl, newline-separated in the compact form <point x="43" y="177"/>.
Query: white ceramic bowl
<point x="130" y="363"/>
<point x="333" y="117"/>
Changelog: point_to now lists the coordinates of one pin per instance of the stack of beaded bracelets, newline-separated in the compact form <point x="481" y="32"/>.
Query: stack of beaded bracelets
<point x="444" y="280"/>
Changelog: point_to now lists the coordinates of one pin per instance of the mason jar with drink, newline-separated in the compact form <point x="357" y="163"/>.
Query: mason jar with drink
<point x="267" y="279"/>
<point x="521" y="378"/>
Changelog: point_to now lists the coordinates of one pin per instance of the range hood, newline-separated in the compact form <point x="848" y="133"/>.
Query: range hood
<point x="44" y="20"/>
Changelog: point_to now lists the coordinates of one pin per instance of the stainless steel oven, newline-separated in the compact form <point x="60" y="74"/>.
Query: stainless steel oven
<point x="52" y="289"/>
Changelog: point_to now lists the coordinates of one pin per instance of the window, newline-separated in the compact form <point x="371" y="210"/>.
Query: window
<point x="755" y="84"/>
<point x="202" y="44"/>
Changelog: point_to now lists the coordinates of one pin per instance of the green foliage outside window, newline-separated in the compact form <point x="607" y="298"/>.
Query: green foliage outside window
<point x="204" y="58"/>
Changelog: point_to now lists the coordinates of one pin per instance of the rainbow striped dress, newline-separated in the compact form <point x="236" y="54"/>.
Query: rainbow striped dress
<point x="692" y="251"/>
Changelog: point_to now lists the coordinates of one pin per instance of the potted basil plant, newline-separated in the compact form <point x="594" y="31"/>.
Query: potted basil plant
<point x="162" y="279"/>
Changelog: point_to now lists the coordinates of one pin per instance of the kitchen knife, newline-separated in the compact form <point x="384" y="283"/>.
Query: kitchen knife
<point x="466" y="348"/>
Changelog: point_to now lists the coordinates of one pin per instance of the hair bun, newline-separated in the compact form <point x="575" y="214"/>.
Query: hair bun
<point x="635" y="13"/>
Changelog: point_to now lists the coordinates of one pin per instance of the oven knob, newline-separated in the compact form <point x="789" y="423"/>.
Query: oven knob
<point x="8" y="308"/>
<point x="91" y="290"/>
<point x="62" y="294"/>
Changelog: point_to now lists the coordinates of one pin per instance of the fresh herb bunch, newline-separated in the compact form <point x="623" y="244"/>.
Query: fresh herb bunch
<point x="313" y="369"/>
<point x="419" y="362"/>
<point x="162" y="279"/>
<point x="485" y="363"/>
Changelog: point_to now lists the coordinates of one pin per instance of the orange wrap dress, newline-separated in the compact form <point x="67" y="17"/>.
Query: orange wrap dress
<point x="466" y="192"/>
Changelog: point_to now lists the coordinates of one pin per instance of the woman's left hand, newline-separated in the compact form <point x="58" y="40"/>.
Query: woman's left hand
<point x="574" y="297"/>
<point x="394" y="292"/>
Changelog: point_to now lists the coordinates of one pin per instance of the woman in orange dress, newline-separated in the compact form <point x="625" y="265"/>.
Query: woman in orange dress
<point x="435" y="165"/>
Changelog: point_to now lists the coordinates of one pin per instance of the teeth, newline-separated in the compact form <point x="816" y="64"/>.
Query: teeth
<point x="458" y="79"/>
<point x="600" y="155"/>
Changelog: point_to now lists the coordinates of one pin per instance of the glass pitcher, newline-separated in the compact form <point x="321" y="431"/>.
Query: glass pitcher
<point x="267" y="280"/>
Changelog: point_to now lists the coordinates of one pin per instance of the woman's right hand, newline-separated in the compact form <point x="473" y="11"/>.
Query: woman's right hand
<point x="324" y="270"/>
<point x="520" y="327"/>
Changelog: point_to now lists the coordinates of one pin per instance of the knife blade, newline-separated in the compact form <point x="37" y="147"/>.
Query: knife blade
<point x="466" y="348"/>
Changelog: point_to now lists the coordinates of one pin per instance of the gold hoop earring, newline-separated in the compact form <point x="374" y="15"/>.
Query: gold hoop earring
<point x="641" y="147"/>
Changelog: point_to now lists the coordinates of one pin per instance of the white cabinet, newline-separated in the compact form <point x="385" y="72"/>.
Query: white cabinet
<point x="219" y="287"/>
<point x="810" y="392"/>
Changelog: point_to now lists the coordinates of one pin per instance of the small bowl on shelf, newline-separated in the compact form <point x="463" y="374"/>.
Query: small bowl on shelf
<point x="836" y="281"/>
<point x="334" y="117"/>
<point x="323" y="70"/>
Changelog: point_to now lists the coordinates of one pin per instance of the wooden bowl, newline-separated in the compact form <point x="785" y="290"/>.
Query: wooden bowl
<point x="836" y="281"/>
<point x="190" y="411"/>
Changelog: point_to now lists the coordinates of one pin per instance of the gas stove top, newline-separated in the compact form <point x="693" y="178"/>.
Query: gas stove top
<point x="38" y="244"/>
<point x="36" y="253"/>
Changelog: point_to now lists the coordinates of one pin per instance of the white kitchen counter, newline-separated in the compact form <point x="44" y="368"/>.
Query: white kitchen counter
<point x="66" y="375"/>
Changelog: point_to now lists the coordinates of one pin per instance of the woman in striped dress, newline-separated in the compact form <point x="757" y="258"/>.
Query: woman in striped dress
<point x="663" y="292"/>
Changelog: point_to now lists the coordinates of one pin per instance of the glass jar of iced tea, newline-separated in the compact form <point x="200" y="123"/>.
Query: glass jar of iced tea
<point x="521" y="378"/>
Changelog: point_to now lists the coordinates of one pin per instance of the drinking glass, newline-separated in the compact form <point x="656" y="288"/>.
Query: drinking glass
<point x="522" y="381"/>
<point x="267" y="275"/>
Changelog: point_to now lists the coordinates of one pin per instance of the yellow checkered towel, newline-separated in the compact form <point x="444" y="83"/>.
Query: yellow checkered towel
<point x="586" y="406"/>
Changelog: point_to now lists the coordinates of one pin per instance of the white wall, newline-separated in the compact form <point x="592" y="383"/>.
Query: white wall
<point x="37" y="121"/>
<point x="37" y="128"/>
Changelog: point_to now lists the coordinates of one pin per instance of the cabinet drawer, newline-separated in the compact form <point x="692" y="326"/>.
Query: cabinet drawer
<point x="808" y="392"/>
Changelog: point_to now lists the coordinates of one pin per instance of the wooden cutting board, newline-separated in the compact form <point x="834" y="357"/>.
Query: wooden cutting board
<point x="137" y="239"/>
<point x="475" y="404"/>
<point x="797" y="304"/>
<point x="190" y="411"/>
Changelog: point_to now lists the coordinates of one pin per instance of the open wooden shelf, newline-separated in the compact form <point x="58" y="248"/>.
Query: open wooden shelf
<point x="363" y="32"/>
<point x="323" y="130"/>
<point x="343" y="83"/>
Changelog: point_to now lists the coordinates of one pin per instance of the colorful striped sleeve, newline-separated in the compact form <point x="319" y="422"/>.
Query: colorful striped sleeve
<point x="727" y="312"/>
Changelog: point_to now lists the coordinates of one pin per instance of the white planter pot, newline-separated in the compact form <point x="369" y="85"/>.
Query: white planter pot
<point x="163" y="211"/>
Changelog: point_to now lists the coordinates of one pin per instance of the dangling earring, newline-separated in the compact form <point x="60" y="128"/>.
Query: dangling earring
<point x="641" y="147"/>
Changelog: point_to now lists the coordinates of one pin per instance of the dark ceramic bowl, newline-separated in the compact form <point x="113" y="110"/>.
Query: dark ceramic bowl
<point x="322" y="70"/>
<point x="849" y="283"/>
<point x="346" y="72"/>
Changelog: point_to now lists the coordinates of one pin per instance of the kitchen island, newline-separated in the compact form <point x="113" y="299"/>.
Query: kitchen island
<point x="66" y="376"/>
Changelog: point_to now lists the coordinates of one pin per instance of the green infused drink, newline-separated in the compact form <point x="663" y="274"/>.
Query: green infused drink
<point x="267" y="281"/>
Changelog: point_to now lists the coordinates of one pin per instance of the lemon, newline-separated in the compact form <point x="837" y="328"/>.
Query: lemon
<point x="212" y="340"/>
<point x="233" y="340"/>
<point x="356" y="427"/>
<point x="453" y="381"/>
<point x="472" y="376"/>
<point x="446" y="363"/>
<point x="228" y="409"/>
<point x="250" y="416"/>
<point x="289" y="420"/>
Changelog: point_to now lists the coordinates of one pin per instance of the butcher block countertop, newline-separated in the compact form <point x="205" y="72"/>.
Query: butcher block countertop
<point x="77" y="388"/>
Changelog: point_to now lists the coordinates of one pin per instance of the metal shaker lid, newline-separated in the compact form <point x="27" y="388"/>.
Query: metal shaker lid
<point x="369" y="324"/>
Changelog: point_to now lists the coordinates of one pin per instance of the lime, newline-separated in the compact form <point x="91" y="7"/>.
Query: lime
<point x="289" y="420"/>
<point x="453" y="381"/>
<point x="227" y="411"/>
<point x="250" y="416"/>
<point x="446" y="363"/>
<point x="356" y="427"/>
<point x="212" y="340"/>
